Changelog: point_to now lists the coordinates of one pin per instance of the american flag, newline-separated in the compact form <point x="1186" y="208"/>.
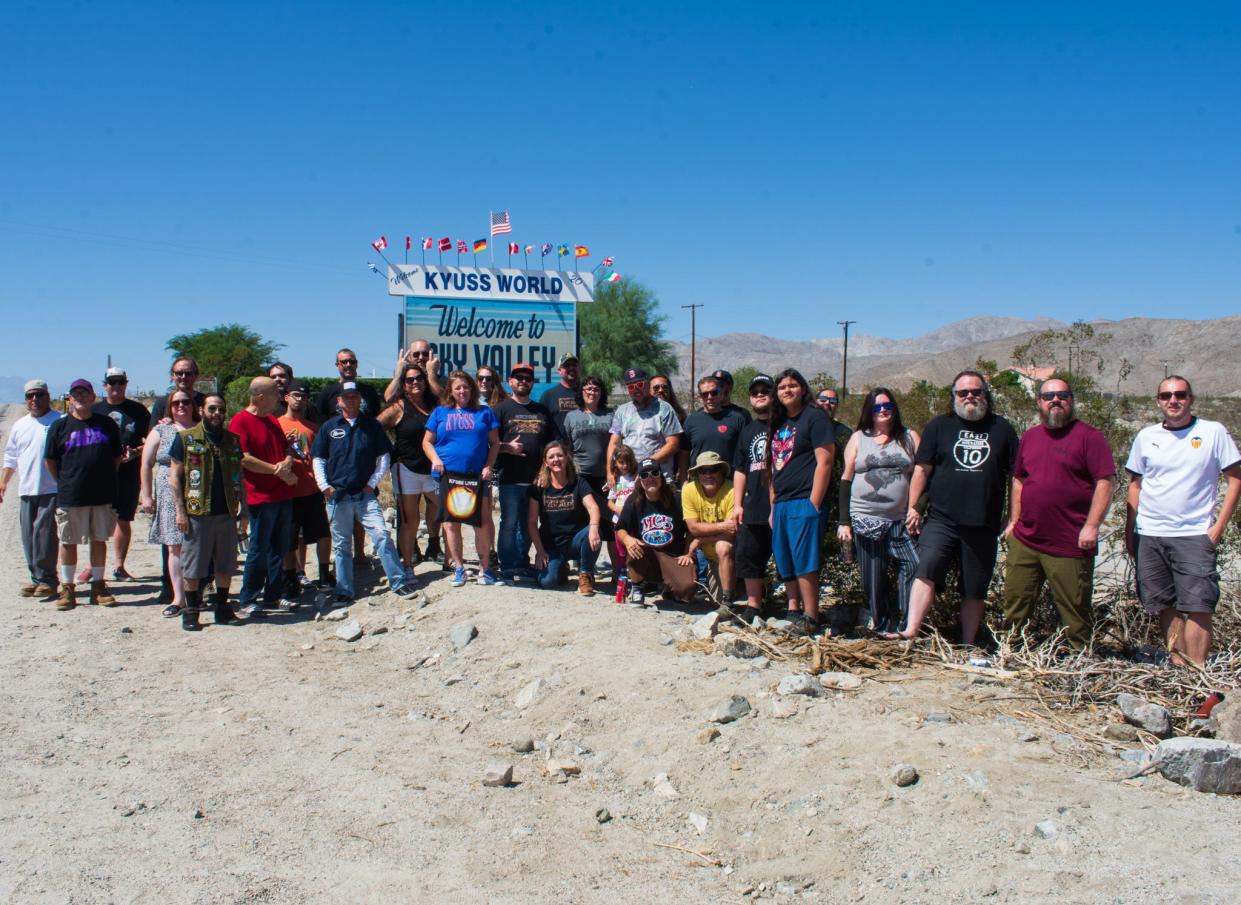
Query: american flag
<point x="500" y="223"/>
<point x="547" y="249"/>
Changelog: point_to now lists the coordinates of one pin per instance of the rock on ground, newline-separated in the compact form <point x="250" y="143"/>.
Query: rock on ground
<point x="903" y="774"/>
<point x="527" y="695"/>
<point x="706" y="626"/>
<point x="498" y="774"/>
<point x="1145" y="715"/>
<point x="1203" y="764"/>
<point x="1227" y="716"/>
<point x="799" y="684"/>
<point x="350" y="631"/>
<point x="731" y="708"/>
<point x="462" y="634"/>
<point x="840" y="681"/>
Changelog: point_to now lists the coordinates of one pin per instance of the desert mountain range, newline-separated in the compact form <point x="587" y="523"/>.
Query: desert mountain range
<point x="1205" y="351"/>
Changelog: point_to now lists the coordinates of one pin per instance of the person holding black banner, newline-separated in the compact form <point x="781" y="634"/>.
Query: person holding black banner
<point x="462" y="441"/>
<point x="526" y="427"/>
<point x="351" y="456"/>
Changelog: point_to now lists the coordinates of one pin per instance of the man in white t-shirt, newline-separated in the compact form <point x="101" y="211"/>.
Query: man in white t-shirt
<point x="23" y="456"/>
<point x="1172" y="529"/>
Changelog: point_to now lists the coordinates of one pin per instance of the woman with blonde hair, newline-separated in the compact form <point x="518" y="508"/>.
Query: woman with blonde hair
<point x="563" y="520"/>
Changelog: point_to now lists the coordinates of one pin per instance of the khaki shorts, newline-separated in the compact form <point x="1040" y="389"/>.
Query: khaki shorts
<point x="83" y="524"/>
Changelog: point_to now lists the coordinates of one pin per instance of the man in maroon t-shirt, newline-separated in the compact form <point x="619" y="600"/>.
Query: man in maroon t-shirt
<point x="267" y="470"/>
<point x="1062" y="486"/>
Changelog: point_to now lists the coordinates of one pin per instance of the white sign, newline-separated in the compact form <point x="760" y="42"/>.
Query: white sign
<point x="492" y="284"/>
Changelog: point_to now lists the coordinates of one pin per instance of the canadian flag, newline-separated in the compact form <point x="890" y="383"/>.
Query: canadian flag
<point x="380" y="244"/>
<point x="407" y="241"/>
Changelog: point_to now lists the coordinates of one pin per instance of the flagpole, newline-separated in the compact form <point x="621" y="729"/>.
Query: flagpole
<point x="407" y="241"/>
<point x="491" y="237"/>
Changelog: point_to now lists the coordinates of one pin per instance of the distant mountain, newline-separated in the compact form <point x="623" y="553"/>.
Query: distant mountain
<point x="1205" y="351"/>
<point x="12" y="389"/>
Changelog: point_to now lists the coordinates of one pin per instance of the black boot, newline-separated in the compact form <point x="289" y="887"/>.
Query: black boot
<point x="223" y="609"/>
<point x="189" y="614"/>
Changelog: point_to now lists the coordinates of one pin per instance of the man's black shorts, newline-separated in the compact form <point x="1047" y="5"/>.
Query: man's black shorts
<point x="941" y="545"/>
<point x="309" y="519"/>
<point x="752" y="550"/>
<point x="127" y="486"/>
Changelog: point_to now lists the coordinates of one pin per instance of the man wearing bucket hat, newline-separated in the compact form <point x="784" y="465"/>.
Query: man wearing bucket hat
<point x="82" y="453"/>
<point x="707" y="505"/>
<point x="23" y="455"/>
<point x="646" y="425"/>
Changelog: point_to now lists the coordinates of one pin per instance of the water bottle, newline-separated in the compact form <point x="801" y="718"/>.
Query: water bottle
<point x="846" y="553"/>
<point x="622" y="586"/>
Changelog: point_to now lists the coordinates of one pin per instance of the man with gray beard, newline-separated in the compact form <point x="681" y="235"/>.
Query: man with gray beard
<point x="964" y="463"/>
<point x="1062" y="486"/>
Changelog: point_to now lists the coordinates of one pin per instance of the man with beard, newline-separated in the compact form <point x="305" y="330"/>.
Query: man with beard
<point x="184" y="374"/>
<point x="1062" y="486"/>
<point x="205" y="476"/>
<point x="133" y="421"/>
<point x="752" y="501"/>
<point x="36" y="488"/>
<point x="965" y="460"/>
<point x="283" y="375"/>
<point x="1171" y="527"/>
<point x="347" y="367"/>
<point x="646" y="425"/>
<point x="562" y="398"/>
<point x="526" y="427"/>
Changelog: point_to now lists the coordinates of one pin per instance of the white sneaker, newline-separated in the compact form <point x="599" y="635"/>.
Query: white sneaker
<point x="636" y="597"/>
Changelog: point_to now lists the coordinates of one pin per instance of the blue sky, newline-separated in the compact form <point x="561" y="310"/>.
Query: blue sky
<point x="171" y="166"/>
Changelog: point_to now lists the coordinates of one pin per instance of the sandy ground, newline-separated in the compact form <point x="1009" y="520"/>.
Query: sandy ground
<point x="333" y="772"/>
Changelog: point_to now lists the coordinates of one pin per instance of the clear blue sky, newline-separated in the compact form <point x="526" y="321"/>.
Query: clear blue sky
<point x="171" y="166"/>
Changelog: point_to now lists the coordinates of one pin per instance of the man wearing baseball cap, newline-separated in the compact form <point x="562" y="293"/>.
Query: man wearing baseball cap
<point x="23" y="454"/>
<point x="725" y="379"/>
<point x="82" y="453"/>
<point x="133" y="421"/>
<point x="525" y="427"/>
<point x="562" y="398"/>
<point x="646" y="425"/>
<point x="752" y="499"/>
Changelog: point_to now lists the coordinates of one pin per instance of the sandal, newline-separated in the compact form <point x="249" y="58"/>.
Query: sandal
<point x="171" y="611"/>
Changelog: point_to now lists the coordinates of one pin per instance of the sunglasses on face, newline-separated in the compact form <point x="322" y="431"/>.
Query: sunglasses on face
<point x="659" y="387"/>
<point x="591" y="388"/>
<point x="346" y="361"/>
<point x="1179" y="395"/>
<point x="184" y="373"/>
<point x="881" y="407"/>
<point x="1049" y="395"/>
<point x="486" y="378"/>
<point x="521" y="378"/>
<point x="962" y="394"/>
<point x="415" y="379"/>
<point x="420" y="354"/>
<point x="177" y="402"/>
<point x="650" y="473"/>
<point x="211" y="409"/>
<point x="828" y="400"/>
<point x="764" y="391"/>
<point x="709" y="394"/>
<point x="116" y="383"/>
<point x="35" y="394"/>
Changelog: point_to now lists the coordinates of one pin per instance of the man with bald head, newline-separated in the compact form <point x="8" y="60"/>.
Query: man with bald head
<point x="267" y="472"/>
<point x="1061" y="489"/>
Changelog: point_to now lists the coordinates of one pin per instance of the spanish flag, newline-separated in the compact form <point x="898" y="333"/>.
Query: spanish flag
<point x="581" y="251"/>
<point x="480" y="245"/>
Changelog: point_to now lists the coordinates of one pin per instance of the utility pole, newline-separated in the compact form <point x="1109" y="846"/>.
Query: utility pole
<point x="693" y="352"/>
<point x="844" y="367"/>
<point x="1166" y="362"/>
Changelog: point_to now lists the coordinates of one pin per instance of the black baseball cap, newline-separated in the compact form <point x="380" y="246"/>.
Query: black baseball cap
<point x="636" y="375"/>
<point x="298" y="386"/>
<point x="723" y="375"/>
<point x="647" y="465"/>
<point x="761" y="380"/>
<point x="349" y="386"/>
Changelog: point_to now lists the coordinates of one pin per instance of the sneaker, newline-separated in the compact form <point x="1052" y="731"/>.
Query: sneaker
<point x="99" y="594"/>
<point x="407" y="590"/>
<point x="636" y="597"/>
<point x="250" y="611"/>
<point x="326" y="582"/>
<point x="66" y="600"/>
<point x="486" y="577"/>
<point x="586" y="584"/>
<point x="84" y="575"/>
<point x="458" y="577"/>
<point x="285" y="605"/>
<point x="121" y="574"/>
<point x="305" y="582"/>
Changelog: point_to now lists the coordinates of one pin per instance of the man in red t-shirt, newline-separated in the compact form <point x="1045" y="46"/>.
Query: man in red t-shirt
<point x="310" y="524"/>
<point x="267" y="470"/>
<point x="1062" y="487"/>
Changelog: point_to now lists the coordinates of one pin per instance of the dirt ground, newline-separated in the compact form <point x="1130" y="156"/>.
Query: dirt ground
<point x="273" y="763"/>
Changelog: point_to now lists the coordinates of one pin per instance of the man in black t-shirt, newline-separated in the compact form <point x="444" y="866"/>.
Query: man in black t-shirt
<point x="82" y="452"/>
<point x="327" y="402"/>
<point x="184" y="374"/>
<point x="562" y="398"/>
<point x="132" y="421"/>
<point x="713" y="428"/>
<point x="966" y="460"/>
<point x="752" y="507"/>
<point x="525" y="427"/>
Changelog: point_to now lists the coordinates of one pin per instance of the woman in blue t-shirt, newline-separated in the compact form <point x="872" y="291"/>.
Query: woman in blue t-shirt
<point x="463" y="436"/>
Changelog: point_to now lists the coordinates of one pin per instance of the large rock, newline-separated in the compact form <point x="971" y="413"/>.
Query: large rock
<point x="529" y="694"/>
<point x="1227" y="715"/>
<point x="462" y="634"/>
<point x="1203" y="764"/>
<point x="350" y="631"/>
<point x="903" y="774"/>
<point x="731" y="645"/>
<point x="729" y="709"/>
<point x="706" y="626"/>
<point x="799" y="684"/>
<point x="1145" y="715"/>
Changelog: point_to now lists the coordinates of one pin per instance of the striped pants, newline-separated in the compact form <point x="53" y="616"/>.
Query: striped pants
<point x="889" y="606"/>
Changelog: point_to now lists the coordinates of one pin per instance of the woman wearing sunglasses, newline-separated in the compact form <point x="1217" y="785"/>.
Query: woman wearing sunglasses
<point x="156" y="497"/>
<point x="655" y="538"/>
<point x="406" y="416"/>
<point x="490" y="393"/>
<point x="874" y="500"/>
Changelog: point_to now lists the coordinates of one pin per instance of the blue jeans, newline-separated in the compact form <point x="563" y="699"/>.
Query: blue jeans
<point x="343" y="509"/>
<point x="270" y="525"/>
<point x="513" y="545"/>
<point x="579" y="549"/>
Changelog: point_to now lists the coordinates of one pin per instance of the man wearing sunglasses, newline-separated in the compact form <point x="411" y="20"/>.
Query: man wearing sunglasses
<point x="526" y="427"/>
<point x="327" y="402"/>
<point x="184" y="374"/>
<point x="36" y="488"/>
<point x="1062" y="486"/>
<point x="133" y="421"/>
<point x="422" y="354"/>
<point x="646" y="425"/>
<point x="1171" y="528"/>
<point x="964" y="462"/>
<point x="713" y="428"/>
<point x="562" y="398"/>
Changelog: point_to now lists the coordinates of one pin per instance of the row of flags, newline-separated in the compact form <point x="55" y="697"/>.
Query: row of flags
<point x="501" y="224"/>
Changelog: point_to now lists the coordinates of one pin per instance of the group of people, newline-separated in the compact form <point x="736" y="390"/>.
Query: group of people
<point x="729" y="497"/>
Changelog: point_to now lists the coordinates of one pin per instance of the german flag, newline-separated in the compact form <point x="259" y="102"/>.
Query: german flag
<point x="480" y="245"/>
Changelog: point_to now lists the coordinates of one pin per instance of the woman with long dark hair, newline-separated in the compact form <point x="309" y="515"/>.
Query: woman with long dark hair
<point x="800" y="449"/>
<point x="564" y="519"/>
<point x="490" y="389"/>
<point x="661" y="388"/>
<point x="406" y="416"/>
<point x="654" y="536"/>
<point x="874" y="500"/>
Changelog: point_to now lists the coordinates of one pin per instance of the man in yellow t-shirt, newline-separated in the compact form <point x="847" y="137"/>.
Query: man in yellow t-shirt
<point x="707" y="506"/>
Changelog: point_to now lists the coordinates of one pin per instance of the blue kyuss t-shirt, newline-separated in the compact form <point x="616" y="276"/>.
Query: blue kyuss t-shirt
<point x="461" y="436"/>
